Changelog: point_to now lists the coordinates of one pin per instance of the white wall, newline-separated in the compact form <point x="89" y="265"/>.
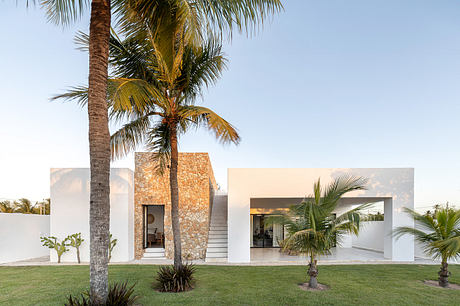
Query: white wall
<point x="371" y="236"/>
<point x="70" y="211"/>
<point x="395" y="186"/>
<point x="20" y="236"/>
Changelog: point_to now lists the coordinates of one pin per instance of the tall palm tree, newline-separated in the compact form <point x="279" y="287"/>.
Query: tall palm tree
<point x="201" y="17"/>
<point x="439" y="233"/>
<point x="7" y="206"/>
<point x="153" y="91"/>
<point x="313" y="228"/>
<point x="24" y="206"/>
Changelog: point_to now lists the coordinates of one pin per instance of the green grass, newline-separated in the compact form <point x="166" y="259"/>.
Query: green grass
<point x="247" y="285"/>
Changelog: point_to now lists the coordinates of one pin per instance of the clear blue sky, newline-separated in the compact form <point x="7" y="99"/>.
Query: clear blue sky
<point x="349" y="83"/>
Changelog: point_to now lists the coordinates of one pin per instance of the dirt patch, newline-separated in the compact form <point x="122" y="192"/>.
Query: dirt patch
<point x="321" y="287"/>
<point x="433" y="283"/>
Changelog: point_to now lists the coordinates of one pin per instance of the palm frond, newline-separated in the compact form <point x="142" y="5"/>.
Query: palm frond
<point x="64" y="12"/>
<point x="76" y="93"/>
<point x="222" y="129"/>
<point x="129" y="136"/>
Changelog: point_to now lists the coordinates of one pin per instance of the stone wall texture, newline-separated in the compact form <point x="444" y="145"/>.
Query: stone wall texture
<point x="196" y="188"/>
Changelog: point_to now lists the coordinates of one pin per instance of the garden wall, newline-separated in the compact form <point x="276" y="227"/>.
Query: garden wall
<point x="20" y="236"/>
<point x="70" y="210"/>
<point x="370" y="236"/>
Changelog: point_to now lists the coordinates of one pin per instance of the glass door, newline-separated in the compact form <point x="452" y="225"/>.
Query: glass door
<point x="263" y="235"/>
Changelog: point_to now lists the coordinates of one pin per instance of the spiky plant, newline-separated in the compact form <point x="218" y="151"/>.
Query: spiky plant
<point x="438" y="233"/>
<point x="172" y="279"/>
<point x="119" y="294"/>
<point x="313" y="228"/>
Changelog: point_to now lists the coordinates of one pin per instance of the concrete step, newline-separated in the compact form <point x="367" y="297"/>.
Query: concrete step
<point x="215" y="224"/>
<point x="217" y="244"/>
<point x="218" y="236"/>
<point x="218" y="228"/>
<point x="217" y="250"/>
<point x="217" y="231"/>
<point x="223" y="259"/>
<point x="217" y="240"/>
<point x="154" y="250"/>
<point x="154" y="255"/>
<point x="217" y="255"/>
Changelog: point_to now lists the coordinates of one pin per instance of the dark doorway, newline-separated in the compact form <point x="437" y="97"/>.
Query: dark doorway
<point x="153" y="226"/>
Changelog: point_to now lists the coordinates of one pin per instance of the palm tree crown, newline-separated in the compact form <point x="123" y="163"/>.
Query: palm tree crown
<point x="438" y="233"/>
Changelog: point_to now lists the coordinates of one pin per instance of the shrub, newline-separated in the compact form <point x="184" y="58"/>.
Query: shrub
<point x="119" y="294"/>
<point x="171" y="279"/>
<point x="53" y="243"/>
<point x="75" y="241"/>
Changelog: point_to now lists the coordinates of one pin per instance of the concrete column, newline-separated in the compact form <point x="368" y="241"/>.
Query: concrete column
<point x="401" y="249"/>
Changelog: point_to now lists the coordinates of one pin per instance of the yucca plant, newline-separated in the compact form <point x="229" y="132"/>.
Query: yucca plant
<point x="313" y="228"/>
<point x="119" y="295"/>
<point x="172" y="279"/>
<point x="439" y="233"/>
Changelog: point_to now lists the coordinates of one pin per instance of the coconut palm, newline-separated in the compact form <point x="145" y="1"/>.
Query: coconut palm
<point x="312" y="227"/>
<point x="439" y="233"/>
<point x="24" y="206"/>
<point x="200" y="17"/>
<point x="7" y="206"/>
<point x="153" y="93"/>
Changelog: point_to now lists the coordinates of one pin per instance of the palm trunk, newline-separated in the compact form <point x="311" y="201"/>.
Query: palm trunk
<point x="313" y="273"/>
<point x="99" y="147"/>
<point x="175" y="197"/>
<point x="444" y="274"/>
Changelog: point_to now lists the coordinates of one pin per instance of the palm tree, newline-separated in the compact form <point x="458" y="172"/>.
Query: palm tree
<point x="200" y="17"/>
<point x="313" y="228"/>
<point x="154" y="90"/>
<point x="7" y="206"/>
<point x="439" y="233"/>
<point x="25" y="206"/>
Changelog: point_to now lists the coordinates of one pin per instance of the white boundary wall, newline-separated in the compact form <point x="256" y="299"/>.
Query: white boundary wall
<point x="20" y="236"/>
<point x="394" y="186"/>
<point x="370" y="236"/>
<point x="70" y="210"/>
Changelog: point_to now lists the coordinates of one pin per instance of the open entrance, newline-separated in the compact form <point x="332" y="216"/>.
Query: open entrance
<point x="153" y="226"/>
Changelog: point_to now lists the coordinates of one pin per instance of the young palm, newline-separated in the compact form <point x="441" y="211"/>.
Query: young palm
<point x="313" y="228"/>
<point x="439" y="233"/>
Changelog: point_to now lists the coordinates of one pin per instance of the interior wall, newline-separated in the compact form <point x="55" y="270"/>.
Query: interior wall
<point x="158" y="212"/>
<point x="370" y="236"/>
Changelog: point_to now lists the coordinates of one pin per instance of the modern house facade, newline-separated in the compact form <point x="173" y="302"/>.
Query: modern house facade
<point x="217" y="226"/>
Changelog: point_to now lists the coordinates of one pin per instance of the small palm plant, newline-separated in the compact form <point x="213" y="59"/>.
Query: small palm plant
<point x="53" y="243"/>
<point x="75" y="241"/>
<point x="439" y="233"/>
<point x="313" y="228"/>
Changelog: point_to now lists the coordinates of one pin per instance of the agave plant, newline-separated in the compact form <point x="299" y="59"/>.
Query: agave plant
<point x="313" y="228"/>
<point x="439" y="233"/>
<point x="119" y="294"/>
<point x="172" y="279"/>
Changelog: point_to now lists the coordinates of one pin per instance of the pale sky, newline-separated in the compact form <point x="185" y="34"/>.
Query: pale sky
<point x="332" y="83"/>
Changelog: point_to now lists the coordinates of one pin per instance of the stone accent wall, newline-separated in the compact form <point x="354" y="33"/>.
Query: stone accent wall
<point x="196" y="186"/>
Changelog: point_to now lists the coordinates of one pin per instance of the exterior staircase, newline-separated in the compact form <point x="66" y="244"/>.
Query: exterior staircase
<point x="217" y="239"/>
<point x="154" y="253"/>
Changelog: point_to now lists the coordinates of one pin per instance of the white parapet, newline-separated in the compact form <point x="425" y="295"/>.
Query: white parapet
<point x="70" y="210"/>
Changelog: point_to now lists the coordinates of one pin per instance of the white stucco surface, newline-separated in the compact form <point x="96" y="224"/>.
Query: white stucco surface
<point x="394" y="186"/>
<point x="70" y="210"/>
<point x="371" y="236"/>
<point x="20" y="236"/>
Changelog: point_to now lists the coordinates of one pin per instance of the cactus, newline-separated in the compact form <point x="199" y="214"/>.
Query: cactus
<point x="75" y="241"/>
<point x="53" y="243"/>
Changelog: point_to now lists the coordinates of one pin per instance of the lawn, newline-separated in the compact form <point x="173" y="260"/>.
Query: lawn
<point x="246" y="285"/>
